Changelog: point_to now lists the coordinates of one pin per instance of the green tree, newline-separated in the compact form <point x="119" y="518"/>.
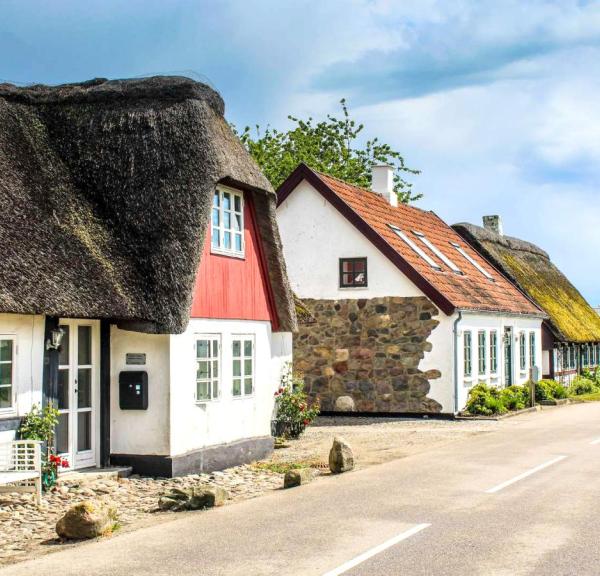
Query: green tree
<point x="329" y="146"/>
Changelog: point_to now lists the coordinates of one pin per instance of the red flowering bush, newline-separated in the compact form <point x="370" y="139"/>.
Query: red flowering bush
<point x="294" y="413"/>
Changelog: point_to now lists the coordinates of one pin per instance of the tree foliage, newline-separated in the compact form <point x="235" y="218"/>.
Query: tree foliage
<point x="329" y="146"/>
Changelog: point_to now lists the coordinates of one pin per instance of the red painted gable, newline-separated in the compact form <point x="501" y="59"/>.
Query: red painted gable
<point x="235" y="288"/>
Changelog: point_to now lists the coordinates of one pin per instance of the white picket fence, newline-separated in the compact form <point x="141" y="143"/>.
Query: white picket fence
<point x="21" y="467"/>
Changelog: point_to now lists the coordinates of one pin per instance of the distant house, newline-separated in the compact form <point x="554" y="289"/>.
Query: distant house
<point x="405" y="316"/>
<point x="136" y="227"/>
<point x="571" y="333"/>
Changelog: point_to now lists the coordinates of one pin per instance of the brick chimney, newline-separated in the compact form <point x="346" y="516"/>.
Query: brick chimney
<point x="493" y="224"/>
<point x="382" y="182"/>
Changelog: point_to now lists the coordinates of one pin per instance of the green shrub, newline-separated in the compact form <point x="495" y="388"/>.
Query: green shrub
<point x="550" y="390"/>
<point x="294" y="413"/>
<point x="485" y="400"/>
<point x="582" y="385"/>
<point x="515" y="397"/>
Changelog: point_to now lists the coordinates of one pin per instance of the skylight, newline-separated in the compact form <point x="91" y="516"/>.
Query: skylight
<point x="472" y="261"/>
<point x="415" y="248"/>
<point x="438" y="252"/>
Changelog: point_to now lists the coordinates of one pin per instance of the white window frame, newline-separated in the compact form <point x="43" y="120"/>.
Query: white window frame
<point x="219" y="228"/>
<point x="13" y="385"/>
<point x="482" y="358"/>
<point x="532" y="349"/>
<point x="214" y="382"/>
<point x="415" y="248"/>
<point x="437" y="252"/>
<point x="470" y="259"/>
<point x="242" y="359"/>
<point x="468" y="358"/>
<point x="522" y="352"/>
<point x="494" y="352"/>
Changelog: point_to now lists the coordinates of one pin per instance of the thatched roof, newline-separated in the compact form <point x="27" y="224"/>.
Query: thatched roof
<point x="572" y="319"/>
<point x="105" y="189"/>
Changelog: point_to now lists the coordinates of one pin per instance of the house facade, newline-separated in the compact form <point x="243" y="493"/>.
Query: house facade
<point x="143" y="290"/>
<point x="406" y="316"/>
<point x="571" y="331"/>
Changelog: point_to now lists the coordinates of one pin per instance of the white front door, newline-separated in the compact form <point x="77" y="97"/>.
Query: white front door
<point x="75" y="432"/>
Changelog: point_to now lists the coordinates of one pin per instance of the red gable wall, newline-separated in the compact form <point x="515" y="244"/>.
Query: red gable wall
<point x="235" y="288"/>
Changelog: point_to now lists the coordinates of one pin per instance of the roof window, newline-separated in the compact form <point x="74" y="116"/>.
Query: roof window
<point x="415" y="248"/>
<point x="437" y="252"/>
<point x="468" y="257"/>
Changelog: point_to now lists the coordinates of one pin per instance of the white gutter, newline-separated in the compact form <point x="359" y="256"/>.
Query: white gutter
<point x="455" y="333"/>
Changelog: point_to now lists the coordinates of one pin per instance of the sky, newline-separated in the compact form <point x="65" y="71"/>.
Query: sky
<point x="498" y="103"/>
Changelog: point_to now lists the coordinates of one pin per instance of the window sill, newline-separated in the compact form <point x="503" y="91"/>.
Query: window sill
<point x="353" y="287"/>
<point x="8" y="413"/>
<point x="238" y="255"/>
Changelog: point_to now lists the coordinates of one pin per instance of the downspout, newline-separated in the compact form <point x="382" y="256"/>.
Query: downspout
<point x="455" y="334"/>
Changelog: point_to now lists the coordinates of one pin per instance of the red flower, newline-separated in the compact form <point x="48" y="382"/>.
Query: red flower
<point x="64" y="463"/>
<point x="306" y="421"/>
<point x="281" y="391"/>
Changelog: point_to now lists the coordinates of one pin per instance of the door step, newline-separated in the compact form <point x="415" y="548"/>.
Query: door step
<point x="91" y="474"/>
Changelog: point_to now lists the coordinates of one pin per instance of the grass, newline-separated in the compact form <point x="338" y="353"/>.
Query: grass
<point x="283" y="467"/>
<point x="593" y="397"/>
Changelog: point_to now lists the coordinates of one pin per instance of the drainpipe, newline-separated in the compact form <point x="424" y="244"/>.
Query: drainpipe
<point x="455" y="333"/>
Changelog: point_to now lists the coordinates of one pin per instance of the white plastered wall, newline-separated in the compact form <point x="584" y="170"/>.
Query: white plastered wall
<point x="227" y="418"/>
<point x="28" y="333"/>
<point x="141" y="431"/>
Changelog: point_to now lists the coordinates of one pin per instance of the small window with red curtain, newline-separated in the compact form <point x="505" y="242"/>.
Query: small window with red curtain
<point x="353" y="272"/>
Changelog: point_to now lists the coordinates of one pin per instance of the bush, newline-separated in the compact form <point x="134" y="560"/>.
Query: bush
<point x="550" y="390"/>
<point x="582" y="385"/>
<point x="294" y="413"/>
<point x="485" y="400"/>
<point x="515" y="397"/>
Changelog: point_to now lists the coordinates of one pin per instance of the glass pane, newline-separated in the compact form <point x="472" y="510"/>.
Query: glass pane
<point x="61" y="434"/>
<point x="238" y="242"/>
<point x="63" y="354"/>
<point x="227" y="240"/>
<point x="237" y="367"/>
<point x="215" y="238"/>
<point x="237" y="347"/>
<point x="6" y="373"/>
<point x="215" y="367"/>
<point x="6" y="350"/>
<point x="63" y="389"/>
<point x="215" y="348"/>
<point x="247" y="347"/>
<point x="237" y="387"/>
<point x="227" y="220"/>
<point x="360" y="278"/>
<point x="203" y="370"/>
<point x="202" y="391"/>
<point x="346" y="266"/>
<point x="215" y="389"/>
<point x="248" y="367"/>
<point x="248" y="386"/>
<point x="347" y="279"/>
<point x="216" y="199"/>
<point x="238" y="203"/>
<point x="226" y="201"/>
<point x="237" y="222"/>
<point x="6" y="397"/>
<point x="84" y="388"/>
<point x="84" y="345"/>
<point x="84" y="431"/>
<point x="202" y="348"/>
<point x="359" y="266"/>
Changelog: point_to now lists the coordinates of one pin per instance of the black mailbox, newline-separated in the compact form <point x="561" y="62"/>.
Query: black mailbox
<point x="133" y="390"/>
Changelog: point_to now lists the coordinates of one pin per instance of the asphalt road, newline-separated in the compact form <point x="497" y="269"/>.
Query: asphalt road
<point x="520" y="500"/>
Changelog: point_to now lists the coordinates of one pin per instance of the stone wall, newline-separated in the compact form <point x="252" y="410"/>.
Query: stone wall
<point x="367" y="353"/>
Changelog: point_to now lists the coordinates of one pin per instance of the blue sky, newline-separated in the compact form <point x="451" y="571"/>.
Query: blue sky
<point x="496" y="102"/>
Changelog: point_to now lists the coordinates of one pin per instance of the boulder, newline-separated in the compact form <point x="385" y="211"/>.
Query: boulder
<point x="344" y="404"/>
<point x="193" y="498"/>
<point x="298" y="477"/>
<point x="87" y="520"/>
<point x="341" y="458"/>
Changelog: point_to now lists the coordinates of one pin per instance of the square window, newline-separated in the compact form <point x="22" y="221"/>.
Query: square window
<point x="353" y="272"/>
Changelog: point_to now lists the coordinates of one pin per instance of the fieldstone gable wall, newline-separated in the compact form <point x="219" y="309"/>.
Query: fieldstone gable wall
<point x="368" y="352"/>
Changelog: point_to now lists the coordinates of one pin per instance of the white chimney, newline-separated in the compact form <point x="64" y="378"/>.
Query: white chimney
<point x="382" y="182"/>
<point x="493" y="224"/>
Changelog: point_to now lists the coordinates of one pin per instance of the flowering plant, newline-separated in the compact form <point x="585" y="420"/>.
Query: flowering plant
<point x="294" y="413"/>
<point x="52" y="462"/>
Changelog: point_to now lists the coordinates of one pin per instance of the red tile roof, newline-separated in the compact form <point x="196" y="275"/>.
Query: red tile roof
<point x="449" y="290"/>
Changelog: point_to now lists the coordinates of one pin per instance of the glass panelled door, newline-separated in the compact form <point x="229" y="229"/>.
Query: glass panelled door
<point x="75" y="429"/>
<point x="508" y="356"/>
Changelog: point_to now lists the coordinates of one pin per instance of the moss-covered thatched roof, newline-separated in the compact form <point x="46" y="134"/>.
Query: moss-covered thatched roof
<point x="105" y="194"/>
<point x="572" y="319"/>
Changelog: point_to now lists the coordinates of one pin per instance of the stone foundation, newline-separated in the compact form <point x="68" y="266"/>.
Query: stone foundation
<point x="369" y="350"/>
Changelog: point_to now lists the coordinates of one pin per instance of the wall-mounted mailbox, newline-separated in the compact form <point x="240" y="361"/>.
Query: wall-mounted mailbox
<point x="133" y="390"/>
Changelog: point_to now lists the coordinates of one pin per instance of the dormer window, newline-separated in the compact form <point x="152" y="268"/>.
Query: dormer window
<point x="353" y="272"/>
<point x="415" y="248"/>
<point x="227" y="230"/>
<point x="437" y="252"/>
<point x="472" y="260"/>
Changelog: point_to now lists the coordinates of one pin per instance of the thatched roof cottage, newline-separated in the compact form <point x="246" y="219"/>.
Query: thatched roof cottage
<point x="571" y="333"/>
<point x="136" y="228"/>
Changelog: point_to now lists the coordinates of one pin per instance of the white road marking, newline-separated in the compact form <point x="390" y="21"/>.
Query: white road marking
<point x="378" y="549"/>
<point x="524" y="475"/>
<point x="596" y="441"/>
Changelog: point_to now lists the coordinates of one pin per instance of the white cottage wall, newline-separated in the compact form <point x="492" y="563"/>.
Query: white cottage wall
<point x="141" y="431"/>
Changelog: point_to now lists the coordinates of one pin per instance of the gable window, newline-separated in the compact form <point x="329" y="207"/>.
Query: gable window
<point x="227" y="231"/>
<point x="468" y="353"/>
<point x="415" y="248"/>
<point x="522" y="352"/>
<point x="207" y="368"/>
<point x="472" y="260"/>
<point x="437" y="252"/>
<point x="531" y="349"/>
<point x="493" y="352"/>
<point x="482" y="349"/>
<point x="7" y="372"/>
<point x="353" y="272"/>
<point x="243" y="365"/>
